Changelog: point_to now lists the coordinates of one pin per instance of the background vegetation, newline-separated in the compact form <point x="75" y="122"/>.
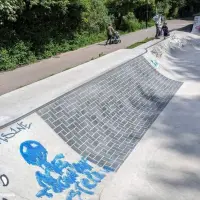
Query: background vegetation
<point x="31" y="30"/>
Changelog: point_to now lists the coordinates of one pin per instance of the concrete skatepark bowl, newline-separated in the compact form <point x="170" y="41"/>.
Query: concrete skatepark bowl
<point x="124" y="126"/>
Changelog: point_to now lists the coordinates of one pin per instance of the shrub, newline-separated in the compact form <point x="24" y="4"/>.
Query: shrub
<point x="151" y="23"/>
<point x="95" y="18"/>
<point x="130" y="23"/>
<point x="6" y="61"/>
<point x="18" y="54"/>
<point x="21" y="53"/>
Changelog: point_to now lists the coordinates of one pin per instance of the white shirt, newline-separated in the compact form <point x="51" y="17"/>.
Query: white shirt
<point x="158" y="20"/>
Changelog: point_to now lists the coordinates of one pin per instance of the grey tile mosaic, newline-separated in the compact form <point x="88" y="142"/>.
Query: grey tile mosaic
<point x="105" y="118"/>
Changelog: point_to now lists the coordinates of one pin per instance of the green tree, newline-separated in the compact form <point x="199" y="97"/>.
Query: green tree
<point x="9" y="9"/>
<point x="95" y="16"/>
<point x="122" y="8"/>
<point x="119" y="9"/>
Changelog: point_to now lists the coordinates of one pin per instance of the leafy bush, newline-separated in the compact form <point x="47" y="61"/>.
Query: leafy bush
<point x="95" y="16"/>
<point x="6" y="61"/>
<point x="34" y="30"/>
<point x="151" y="23"/>
<point x="19" y="54"/>
<point x="130" y="23"/>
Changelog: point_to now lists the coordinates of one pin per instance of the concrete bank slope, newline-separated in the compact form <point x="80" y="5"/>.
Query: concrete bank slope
<point x="178" y="56"/>
<point x="165" y="164"/>
<point x="66" y="137"/>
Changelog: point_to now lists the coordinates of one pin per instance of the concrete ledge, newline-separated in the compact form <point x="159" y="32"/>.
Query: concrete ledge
<point x="17" y="104"/>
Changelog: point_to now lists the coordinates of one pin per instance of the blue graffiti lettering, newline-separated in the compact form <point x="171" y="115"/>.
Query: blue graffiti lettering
<point x="59" y="175"/>
<point x="87" y="183"/>
<point x="72" y="194"/>
<point x="79" y="188"/>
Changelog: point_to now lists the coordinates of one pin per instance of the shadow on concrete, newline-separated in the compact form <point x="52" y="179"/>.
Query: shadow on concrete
<point x="187" y="28"/>
<point x="187" y="18"/>
<point x="182" y="129"/>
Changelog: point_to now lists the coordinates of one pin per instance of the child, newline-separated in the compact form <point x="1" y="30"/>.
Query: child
<point x="165" y="30"/>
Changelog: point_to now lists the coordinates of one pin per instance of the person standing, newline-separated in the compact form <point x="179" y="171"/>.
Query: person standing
<point x="110" y="32"/>
<point x="158" y="22"/>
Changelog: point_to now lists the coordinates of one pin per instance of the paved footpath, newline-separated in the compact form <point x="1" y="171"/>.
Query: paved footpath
<point x="23" y="76"/>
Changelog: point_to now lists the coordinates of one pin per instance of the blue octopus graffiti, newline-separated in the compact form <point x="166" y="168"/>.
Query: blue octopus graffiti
<point x="77" y="177"/>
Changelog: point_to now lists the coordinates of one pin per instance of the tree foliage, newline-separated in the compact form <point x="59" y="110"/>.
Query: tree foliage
<point x="95" y="16"/>
<point x="36" y="29"/>
<point x="9" y="9"/>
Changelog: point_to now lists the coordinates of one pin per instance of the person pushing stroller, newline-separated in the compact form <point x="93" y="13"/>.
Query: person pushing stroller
<point x="113" y="36"/>
<point x="110" y="32"/>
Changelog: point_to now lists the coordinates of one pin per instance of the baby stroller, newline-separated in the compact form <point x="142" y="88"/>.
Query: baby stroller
<point x="116" y="38"/>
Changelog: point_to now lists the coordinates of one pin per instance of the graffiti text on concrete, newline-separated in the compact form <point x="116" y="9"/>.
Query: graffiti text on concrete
<point x="5" y="136"/>
<point x="4" y="179"/>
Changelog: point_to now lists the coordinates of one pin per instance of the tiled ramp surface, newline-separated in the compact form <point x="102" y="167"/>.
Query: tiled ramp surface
<point x="105" y="118"/>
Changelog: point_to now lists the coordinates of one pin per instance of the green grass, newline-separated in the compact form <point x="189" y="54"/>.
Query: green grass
<point x="140" y="43"/>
